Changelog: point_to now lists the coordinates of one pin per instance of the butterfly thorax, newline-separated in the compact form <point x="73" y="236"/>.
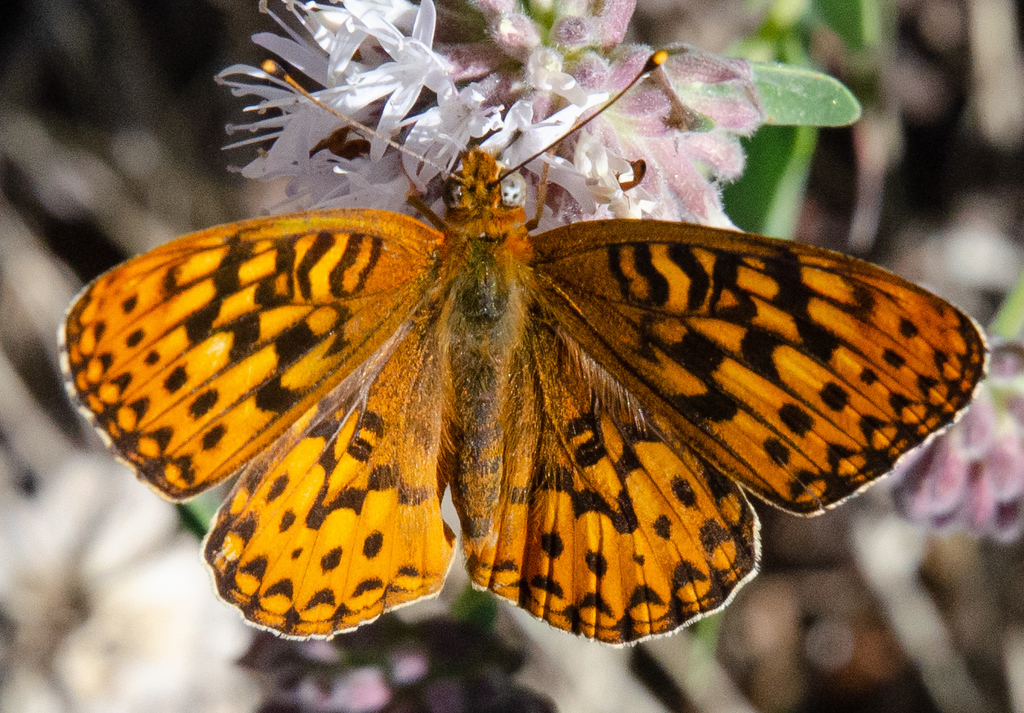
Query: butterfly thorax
<point x="477" y="211"/>
<point x="481" y="328"/>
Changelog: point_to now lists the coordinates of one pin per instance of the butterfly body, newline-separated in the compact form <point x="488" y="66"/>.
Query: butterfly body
<point x="481" y="327"/>
<point x="598" y="397"/>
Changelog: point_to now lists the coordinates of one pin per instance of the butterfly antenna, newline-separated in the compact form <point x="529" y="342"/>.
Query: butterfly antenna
<point x="277" y="71"/>
<point x="653" y="62"/>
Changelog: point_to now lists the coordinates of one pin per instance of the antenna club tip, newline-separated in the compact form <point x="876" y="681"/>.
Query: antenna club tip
<point x="656" y="60"/>
<point x="270" y="67"/>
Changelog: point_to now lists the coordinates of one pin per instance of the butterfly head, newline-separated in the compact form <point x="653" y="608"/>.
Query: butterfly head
<point x="479" y="198"/>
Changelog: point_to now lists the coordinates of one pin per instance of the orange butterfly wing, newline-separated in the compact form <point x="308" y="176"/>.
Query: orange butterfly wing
<point x="658" y="367"/>
<point x="340" y="520"/>
<point x="196" y="356"/>
<point x="282" y="348"/>
<point x="664" y="365"/>
<point x="800" y="373"/>
<point x="604" y="530"/>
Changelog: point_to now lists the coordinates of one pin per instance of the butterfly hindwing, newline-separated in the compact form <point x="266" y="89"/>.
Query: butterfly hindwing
<point x="604" y="530"/>
<point x="192" y="358"/>
<point x="800" y="373"/>
<point x="340" y="520"/>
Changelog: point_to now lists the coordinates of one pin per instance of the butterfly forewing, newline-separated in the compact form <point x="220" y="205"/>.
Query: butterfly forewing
<point x="194" y="357"/>
<point x="800" y="373"/>
<point x="340" y="520"/>
<point x="605" y="530"/>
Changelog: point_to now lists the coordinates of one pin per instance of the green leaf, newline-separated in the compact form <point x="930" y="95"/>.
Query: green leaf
<point x="705" y="634"/>
<point x="197" y="514"/>
<point x="857" y="22"/>
<point x="475" y="607"/>
<point x="797" y="96"/>
<point x="767" y="199"/>
<point x="1009" y="321"/>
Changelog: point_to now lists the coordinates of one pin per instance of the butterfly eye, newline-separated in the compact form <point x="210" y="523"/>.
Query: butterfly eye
<point x="513" y="190"/>
<point x="451" y="193"/>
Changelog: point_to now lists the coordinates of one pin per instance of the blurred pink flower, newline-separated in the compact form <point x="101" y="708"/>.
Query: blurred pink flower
<point x="972" y="477"/>
<point x="511" y="79"/>
<point x="439" y="665"/>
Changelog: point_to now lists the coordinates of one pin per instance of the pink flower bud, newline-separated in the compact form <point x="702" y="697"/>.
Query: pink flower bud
<point x="1003" y="467"/>
<point x="977" y="427"/>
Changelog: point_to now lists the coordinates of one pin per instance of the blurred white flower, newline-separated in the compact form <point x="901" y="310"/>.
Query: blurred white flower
<point x="105" y="605"/>
<point x="605" y="174"/>
<point x="515" y="89"/>
<point x="544" y="73"/>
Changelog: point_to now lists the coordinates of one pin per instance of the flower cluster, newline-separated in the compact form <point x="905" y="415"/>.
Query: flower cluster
<point x="972" y="477"/>
<point x="437" y="80"/>
<point x="438" y="665"/>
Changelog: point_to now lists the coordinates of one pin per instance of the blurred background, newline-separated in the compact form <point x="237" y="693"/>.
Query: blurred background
<point x="111" y="136"/>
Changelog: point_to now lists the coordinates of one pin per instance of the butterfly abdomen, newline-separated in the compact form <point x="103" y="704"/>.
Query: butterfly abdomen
<point x="481" y="326"/>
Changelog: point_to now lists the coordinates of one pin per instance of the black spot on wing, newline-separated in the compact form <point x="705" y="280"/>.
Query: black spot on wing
<point x="796" y="419"/>
<point x="277" y="488"/>
<point x="697" y="354"/>
<point x="212" y="437"/>
<point x="256" y="567"/>
<point x="323" y="242"/>
<point x="663" y="527"/>
<point x="272" y="396"/>
<point x="713" y="406"/>
<point x="282" y="587"/>
<point x="331" y="559"/>
<point x="140" y="407"/>
<point x="644" y="594"/>
<point x="134" y="338"/>
<point x="367" y="585"/>
<point x="893" y="359"/>
<point x="294" y="343"/>
<point x="373" y="544"/>
<point x="324" y="596"/>
<point x="758" y="350"/>
<point x="686" y="574"/>
<point x="712" y="535"/>
<point x="245" y="333"/>
<point x="287" y="520"/>
<point x="777" y="451"/>
<point x="199" y="324"/>
<point x="203" y="403"/>
<point x="596" y="563"/>
<point x="834" y="396"/>
<point x="551" y="544"/>
<point x="898" y="402"/>
<point x="162" y="436"/>
<point x="684" y="493"/>
<point x="176" y="379"/>
<point x="547" y="584"/>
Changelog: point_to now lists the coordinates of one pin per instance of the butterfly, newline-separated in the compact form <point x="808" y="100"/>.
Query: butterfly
<point x="600" y="399"/>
